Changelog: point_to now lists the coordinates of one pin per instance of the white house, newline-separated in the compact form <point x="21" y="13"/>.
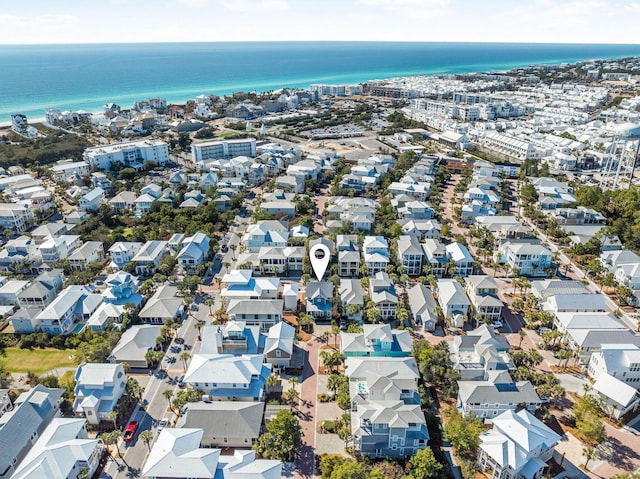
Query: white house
<point x="519" y="445"/>
<point x="375" y="252"/>
<point x="92" y="200"/>
<point x="194" y="252"/>
<point x="453" y="301"/>
<point x="98" y="389"/>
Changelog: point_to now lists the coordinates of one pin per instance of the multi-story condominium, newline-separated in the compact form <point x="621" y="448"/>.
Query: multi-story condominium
<point x="410" y="255"/>
<point x="15" y="216"/>
<point x="510" y="146"/>
<point x="98" y="389"/>
<point x="482" y="290"/>
<point x="129" y="154"/>
<point x="214" y="150"/>
<point x="386" y="420"/>
<point x="528" y="259"/>
<point x="519" y="445"/>
<point x="21" y="428"/>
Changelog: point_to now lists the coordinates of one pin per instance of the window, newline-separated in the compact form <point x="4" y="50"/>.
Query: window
<point x="278" y="353"/>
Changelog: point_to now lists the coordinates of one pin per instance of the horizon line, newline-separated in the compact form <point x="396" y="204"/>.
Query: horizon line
<point x="321" y="41"/>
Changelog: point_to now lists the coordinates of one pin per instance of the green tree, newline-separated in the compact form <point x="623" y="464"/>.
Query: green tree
<point x="184" y="357"/>
<point x="589" y="454"/>
<point x="281" y="439"/>
<point x="463" y="432"/>
<point x="146" y="436"/>
<point x="424" y="465"/>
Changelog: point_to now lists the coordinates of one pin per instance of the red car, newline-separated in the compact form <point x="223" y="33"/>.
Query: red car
<point x="130" y="431"/>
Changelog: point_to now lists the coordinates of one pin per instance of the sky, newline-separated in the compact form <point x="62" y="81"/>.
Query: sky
<point x="119" y="21"/>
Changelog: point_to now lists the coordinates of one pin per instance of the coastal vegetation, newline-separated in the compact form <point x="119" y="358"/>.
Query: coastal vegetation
<point x="41" y="151"/>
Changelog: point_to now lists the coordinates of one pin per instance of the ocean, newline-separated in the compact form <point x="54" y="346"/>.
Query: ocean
<point x="73" y="77"/>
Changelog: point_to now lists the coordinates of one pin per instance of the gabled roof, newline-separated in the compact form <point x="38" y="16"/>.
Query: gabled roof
<point x="223" y="368"/>
<point x="235" y="419"/>
<point x="281" y="336"/>
<point x="177" y="454"/>
<point x="135" y="342"/>
<point x="616" y="390"/>
<point x="514" y="437"/>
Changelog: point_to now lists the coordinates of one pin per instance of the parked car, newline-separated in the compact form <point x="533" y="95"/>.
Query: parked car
<point x="163" y="422"/>
<point x="497" y="324"/>
<point x="130" y="431"/>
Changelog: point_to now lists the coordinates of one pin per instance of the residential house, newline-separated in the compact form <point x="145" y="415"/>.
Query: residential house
<point x="38" y="294"/>
<point x="143" y="203"/>
<point x="98" y="389"/>
<point x="621" y="361"/>
<point x="318" y="299"/>
<point x="123" y="202"/>
<point x="229" y="377"/>
<point x="177" y="454"/>
<point x="64" y="450"/>
<point x="21" y="427"/>
<point x="375" y="251"/>
<point x="486" y="399"/>
<point x="73" y="305"/>
<point x="618" y="397"/>
<point x="460" y="257"/>
<point x="89" y="252"/>
<point x="279" y="344"/>
<point x="424" y="313"/>
<point x="578" y="303"/>
<point x="482" y="290"/>
<point x="527" y="259"/>
<point x="376" y="340"/>
<point x="546" y="288"/>
<point x="18" y="251"/>
<point x="162" y="306"/>
<point x="123" y="252"/>
<point x="480" y="352"/>
<point x="266" y="233"/>
<point x="134" y="344"/>
<point x="233" y="424"/>
<point x="58" y="248"/>
<point x="148" y="258"/>
<point x="383" y="295"/>
<point x="410" y="255"/>
<point x="628" y="275"/>
<point x="264" y="313"/>
<point x="244" y="465"/>
<point x="453" y="301"/>
<point x="194" y="252"/>
<point x="92" y="200"/>
<point x="386" y="420"/>
<point x="69" y="171"/>
<point x="10" y="291"/>
<point x="436" y="259"/>
<point x="352" y="298"/>
<point x="240" y="284"/>
<point x="348" y="255"/>
<point x="5" y="401"/>
<point x="518" y="446"/>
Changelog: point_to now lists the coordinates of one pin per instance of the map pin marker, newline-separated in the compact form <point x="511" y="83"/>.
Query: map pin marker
<point x="319" y="255"/>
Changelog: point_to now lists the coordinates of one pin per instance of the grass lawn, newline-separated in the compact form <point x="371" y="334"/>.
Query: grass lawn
<point x="37" y="361"/>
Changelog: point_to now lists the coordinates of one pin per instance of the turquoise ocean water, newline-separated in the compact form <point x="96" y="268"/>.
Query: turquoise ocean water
<point x="73" y="77"/>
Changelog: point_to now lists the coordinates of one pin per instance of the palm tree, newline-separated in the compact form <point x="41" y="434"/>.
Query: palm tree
<point x="146" y="436"/>
<point x="589" y="453"/>
<point x="168" y="394"/>
<point x="210" y="302"/>
<point x="198" y="325"/>
<point x="184" y="357"/>
<point x="522" y="333"/>
<point x="272" y="382"/>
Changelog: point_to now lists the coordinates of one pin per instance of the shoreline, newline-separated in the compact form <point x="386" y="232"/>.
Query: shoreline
<point x="180" y="97"/>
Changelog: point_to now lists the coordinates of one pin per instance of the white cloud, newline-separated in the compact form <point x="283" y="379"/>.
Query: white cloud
<point x="253" y="5"/>
<point x="397" y="4"/>
<point x="37" y="28"/>
<point x="195" y="3"/>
